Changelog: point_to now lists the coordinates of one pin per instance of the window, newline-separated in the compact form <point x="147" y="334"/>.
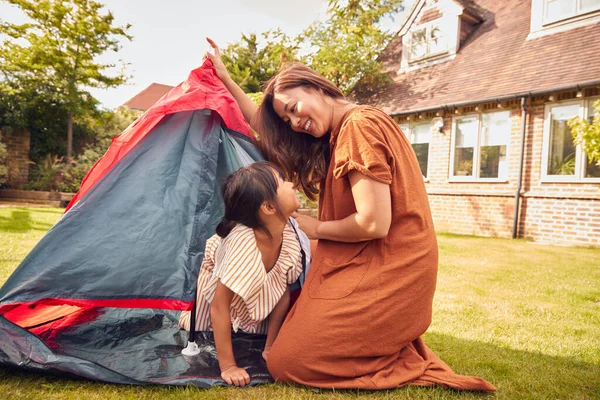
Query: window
<point x="592" y="170"/>
<point x="420" y="137"/>
<point x="480" y="145"/>
<point x="563" y="160"/>
<point x="427" y="41"/>
<point x="557" y="10"/>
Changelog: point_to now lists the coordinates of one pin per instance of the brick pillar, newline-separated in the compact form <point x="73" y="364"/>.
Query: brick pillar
<point x="17" y="143"/>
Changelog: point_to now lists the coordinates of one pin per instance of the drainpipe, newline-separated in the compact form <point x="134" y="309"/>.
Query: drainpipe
<point x="520" y="181"/>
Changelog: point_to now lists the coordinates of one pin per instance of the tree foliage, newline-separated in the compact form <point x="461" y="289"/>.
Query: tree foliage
<point x="587" y="134"/>
<point x="251" y="63"/>
<point x="344" y="48"/>
<point x="55" y="54"/>
<point x="347" y="45"/>
<point x="54" y="173"/>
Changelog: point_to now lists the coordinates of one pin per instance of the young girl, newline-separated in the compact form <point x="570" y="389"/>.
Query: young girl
<point x="248" y="265"/>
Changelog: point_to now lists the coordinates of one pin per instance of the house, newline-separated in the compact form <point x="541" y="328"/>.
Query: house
<point x="147" y="97"/>
<point x="483" y="89"/>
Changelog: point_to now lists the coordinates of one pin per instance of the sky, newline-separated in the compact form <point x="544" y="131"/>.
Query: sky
<point x="169" y="36"/>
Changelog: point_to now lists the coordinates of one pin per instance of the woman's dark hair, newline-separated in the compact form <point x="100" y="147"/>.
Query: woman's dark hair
<point x="304" y="158"/>
<point x="244" y="191"/>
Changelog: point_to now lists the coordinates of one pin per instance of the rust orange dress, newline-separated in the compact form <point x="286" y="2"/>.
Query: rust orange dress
<point x="364" y="306"/>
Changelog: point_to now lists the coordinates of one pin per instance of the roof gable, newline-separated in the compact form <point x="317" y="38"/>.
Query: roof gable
<point x="434" y="31"/>
<point x="147" y="97"/>
<point x="495" y="61"/>
<point x="466" y="7"/>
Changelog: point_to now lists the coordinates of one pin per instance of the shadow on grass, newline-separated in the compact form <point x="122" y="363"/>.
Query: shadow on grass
<point x="516" y="374"/>
<point x="20" y="221"/>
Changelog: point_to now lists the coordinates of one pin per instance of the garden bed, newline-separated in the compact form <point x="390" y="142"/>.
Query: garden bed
<point x="56" y="199"/>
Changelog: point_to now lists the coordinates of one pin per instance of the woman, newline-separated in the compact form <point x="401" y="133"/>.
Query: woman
<point x="368" y="296"/>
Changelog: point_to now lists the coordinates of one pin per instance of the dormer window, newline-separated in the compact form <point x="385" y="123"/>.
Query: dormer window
<point x="558" y="10"/>
<point x="554" y="16"/>
<point x="433" y="32"/>
<point x="427" y="41"/>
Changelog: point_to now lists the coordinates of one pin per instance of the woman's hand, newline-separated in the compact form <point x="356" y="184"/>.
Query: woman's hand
<point x="308" y="225"/>
<point x="216" y="60"/>
<point x="235" y="375"/>
<point x="249" y="109"/>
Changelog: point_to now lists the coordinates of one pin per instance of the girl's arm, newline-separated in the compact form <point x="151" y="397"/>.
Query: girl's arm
<point x="220" y="316"/>
<point x="275" y="320"/>
<point x="371" y="220"/>
<point x="246" y="104"/>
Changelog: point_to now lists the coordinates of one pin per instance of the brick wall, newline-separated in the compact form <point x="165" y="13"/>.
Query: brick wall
<point x="560" y="213"/>
<point x="17" y="143"/>
<point x="480" y="215"/>
<point x="561" y="221"/>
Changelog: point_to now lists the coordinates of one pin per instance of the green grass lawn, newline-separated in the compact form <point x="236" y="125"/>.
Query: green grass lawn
<point x="525" y="317"/>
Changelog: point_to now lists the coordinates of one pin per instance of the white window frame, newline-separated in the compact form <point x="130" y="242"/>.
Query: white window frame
<point x="578" y="12"/>
<point x="427" y="26"/>
<point x="476" y="151"/>
<point x="409" y="136"/>
<point x="540" y="27"/>
<point x="580" y="157"/>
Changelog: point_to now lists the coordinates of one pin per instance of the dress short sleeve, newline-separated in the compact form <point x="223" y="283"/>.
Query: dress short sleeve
<point x="361" y="145"/>
<point x="238" y="264"/>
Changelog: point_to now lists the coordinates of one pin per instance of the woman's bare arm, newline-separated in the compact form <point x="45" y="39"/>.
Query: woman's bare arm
<point x="371" y="220"/>
<point x="246" y="104"/>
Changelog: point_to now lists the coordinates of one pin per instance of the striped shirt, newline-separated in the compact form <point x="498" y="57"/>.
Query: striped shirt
<point x="237" y="262"/>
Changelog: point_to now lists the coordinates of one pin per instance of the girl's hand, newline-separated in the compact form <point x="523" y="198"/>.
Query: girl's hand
<point x="216" y="60"/>
<point x="236" y="376"/>
<point x="265" y="353"/>
<point x="308" y="225"/>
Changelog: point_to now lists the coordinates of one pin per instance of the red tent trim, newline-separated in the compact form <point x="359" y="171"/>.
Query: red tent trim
<point x="202" y="90"/>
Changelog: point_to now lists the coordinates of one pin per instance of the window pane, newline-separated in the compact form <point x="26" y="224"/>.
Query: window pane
<point x="422" y="152"/>
<point x="492" y="162"/>
<point x="495" y="135"/>
<point x="561" y="155"/>
<point x="418" y="47"/>
<point x="466" y="138"/>
<point x="421" y="133"/>
<point x="421" y="136"/>
<point x="559" y="9"/>
<point x="437" y="41"/>
<point x="404" y="129"/>
<point x="589" y="5"/>
<point x="592" y="170"/>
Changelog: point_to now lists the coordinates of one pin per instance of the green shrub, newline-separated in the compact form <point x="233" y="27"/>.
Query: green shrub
<point x="52" y="173"/>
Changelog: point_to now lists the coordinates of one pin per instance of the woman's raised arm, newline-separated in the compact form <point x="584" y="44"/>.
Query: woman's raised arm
<point x="246" y="104"/>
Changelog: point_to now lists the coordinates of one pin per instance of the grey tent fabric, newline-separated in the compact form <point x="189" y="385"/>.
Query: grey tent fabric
<point x="138" y="234"/>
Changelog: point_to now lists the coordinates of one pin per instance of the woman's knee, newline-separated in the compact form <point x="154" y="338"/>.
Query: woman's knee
<point x="277" y="364"/>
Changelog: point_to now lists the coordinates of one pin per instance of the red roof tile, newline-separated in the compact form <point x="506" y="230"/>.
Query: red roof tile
<point x="147" y="97"/>
<point x="495" y="61"/>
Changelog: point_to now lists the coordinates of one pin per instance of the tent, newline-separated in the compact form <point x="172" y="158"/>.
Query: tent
<point x="100" y="295"/>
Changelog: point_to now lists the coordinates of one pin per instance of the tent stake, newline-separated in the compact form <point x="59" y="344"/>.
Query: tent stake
<point x="192" y="348"/>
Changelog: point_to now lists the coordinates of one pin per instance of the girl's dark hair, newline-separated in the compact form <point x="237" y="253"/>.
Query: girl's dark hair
<point x="244" y="191"/>
<point x="304" y="158"/>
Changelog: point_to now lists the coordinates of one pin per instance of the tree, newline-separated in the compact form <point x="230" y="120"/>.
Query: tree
<point x="344" y="48"/>
<point x="587" y="134"/>
<point x="56" y="52"/>
<point x="347" y="45"/>
<point x="250" y="64"/>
